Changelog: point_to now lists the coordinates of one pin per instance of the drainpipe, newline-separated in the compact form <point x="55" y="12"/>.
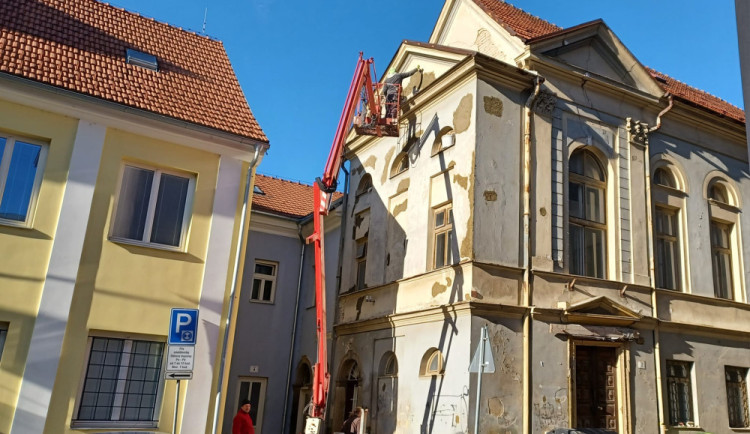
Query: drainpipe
<point x="652" y="274"/>
<point x="294" y="324"/>
<point x="233" y="289"/>
<point x="334" y="340"/>
<point x="528" y="114"/>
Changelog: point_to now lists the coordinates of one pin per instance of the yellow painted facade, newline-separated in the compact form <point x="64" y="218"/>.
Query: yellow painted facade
<point x="122" y="290"/>
<point x="25" y="251"/>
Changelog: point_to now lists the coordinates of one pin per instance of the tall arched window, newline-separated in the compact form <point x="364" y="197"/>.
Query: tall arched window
<point x="725" y="251"/>
<point x="588" y="217"/>
<point x="668" y="201"/>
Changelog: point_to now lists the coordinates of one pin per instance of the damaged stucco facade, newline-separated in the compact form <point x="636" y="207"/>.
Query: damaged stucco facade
<point x="463" y="134"/>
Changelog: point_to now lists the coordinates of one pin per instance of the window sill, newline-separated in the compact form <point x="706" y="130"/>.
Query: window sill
<point x="147" y="245"/>
<point x="743" y="429"/>
<point x="685" y="429"/>
<point x="101" y="425"/>
<point x="16" y="224"/>
<point x="261" y="301"/>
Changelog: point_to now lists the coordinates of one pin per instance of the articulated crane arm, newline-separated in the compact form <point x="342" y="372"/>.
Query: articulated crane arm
<point x="360" y="90"/>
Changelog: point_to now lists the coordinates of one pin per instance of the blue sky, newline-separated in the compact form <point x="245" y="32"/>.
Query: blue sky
<point x="295" y="59"/>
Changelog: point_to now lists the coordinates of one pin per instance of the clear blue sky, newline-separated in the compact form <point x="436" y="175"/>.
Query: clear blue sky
<point x="295" y="59"/>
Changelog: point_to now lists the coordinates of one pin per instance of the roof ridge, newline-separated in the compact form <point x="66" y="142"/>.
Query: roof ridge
<point x="279" y="178"/>
<point x="164" y="23"/>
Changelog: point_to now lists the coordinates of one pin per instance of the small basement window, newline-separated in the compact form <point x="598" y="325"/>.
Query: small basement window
<point x="139" y="58"/>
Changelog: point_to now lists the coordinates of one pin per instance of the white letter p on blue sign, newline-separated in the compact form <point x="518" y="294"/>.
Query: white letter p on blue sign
<point x="183" y="326"/>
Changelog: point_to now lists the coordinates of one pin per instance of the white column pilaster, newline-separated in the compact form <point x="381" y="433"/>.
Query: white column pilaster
<point x="199" y="394"/>
<point x="51" y="322"/>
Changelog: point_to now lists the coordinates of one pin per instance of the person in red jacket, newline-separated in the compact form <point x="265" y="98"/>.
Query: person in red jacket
<point x="242" y="423"/>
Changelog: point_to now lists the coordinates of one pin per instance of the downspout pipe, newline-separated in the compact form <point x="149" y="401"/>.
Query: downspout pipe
<point x="294" y="325"/>
<point x="342" y="227"/>
<point x="233" y="288"/>
<point x="527" y="120"/>
<point x="652" y="274"/>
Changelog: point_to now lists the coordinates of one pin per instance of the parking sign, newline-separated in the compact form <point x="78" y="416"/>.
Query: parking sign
<point x="183" y="326"/>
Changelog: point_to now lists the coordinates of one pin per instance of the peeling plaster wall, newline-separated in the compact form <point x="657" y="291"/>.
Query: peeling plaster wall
<point x="469" y="28"/>
<point x="421" y="401"/>
<point x="552" y="382"/>
<point x="399" y="241"/>
<point x="501" y="410"/>
<point x="498" y="177"/>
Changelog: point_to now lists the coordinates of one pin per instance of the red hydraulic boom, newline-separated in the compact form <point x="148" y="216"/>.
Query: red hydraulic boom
<point x="367" y="97"/>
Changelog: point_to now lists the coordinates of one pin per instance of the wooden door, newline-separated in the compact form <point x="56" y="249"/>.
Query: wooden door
<point x="596" y="387"/>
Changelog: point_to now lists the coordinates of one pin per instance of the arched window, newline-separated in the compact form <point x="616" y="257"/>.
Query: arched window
<point x="400" y="164"/>
<point x="388" y="365"/>
<point x="718" y="192"/>
<point x="365" y="185"/>
<point x="587" y="208"/>
<point x="726" y="261"/>
<point x="432" y="363"/>
<point x="444" y="139"/>
<point x="664" y="177"/>
<point x="668" y="201"/>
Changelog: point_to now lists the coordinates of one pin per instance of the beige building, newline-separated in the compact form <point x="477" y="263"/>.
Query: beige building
<point x="586" y="209"/>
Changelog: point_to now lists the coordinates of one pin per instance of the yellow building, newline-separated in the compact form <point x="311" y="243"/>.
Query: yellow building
<point x="125" y="146"/>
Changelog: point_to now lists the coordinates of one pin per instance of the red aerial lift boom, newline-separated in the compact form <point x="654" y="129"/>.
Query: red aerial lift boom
<point x="367" y="99"/>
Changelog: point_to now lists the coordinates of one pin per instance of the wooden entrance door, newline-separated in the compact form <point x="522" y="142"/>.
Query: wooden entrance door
<point x="596" y="387"/>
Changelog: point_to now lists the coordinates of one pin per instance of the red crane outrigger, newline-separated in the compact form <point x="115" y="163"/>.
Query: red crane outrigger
<point x="364" y="89"/>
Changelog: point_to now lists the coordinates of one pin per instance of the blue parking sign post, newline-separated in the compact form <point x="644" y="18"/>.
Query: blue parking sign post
<point x="183" y="330"/>
<point x="183" y="326"/>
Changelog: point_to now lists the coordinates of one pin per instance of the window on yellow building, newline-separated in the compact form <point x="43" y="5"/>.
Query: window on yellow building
<point x="153" y="206"/>
<point x="21" y="168"/>
<point x="123" y="383"/>
<point x="3" y="335"/>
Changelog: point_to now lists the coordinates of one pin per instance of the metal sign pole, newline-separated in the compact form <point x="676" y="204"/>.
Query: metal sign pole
<point x="176" y="407"/>
<point x="479" y="378"/>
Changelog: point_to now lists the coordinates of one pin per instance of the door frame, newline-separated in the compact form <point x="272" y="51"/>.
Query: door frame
<point x="622" y="356"/>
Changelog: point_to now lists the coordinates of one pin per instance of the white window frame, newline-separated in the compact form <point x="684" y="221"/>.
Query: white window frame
<point x="121" y="381"/>
<point x="264" y="278"/>
<point x="5" y="159"/>
<point x="257" y="424"/>
<point x="445" y="228"/>
<point x="427" y="359"/>
<point x="158" y="171"/>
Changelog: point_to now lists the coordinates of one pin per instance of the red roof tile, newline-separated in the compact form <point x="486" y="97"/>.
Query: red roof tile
<point x="697" y="97"/>
<point x="80" y="45"/>
<point x="527" y="26"/>
<point x="286" y="198"/>
<point x="518" y="21"/>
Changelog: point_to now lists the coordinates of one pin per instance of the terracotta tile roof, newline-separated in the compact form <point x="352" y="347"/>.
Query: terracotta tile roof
<point x="80" y="45"/>
<point x="285" y="198"/>
<point x="527" y="26"/>
<point x="697" y="97"/>
<point x="518" y="21"/>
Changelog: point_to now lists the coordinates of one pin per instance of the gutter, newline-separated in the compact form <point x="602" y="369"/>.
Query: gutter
<point x="528" y="117"/>
<point x="233" y="290"/>
<point x="652" y="274"/>
<point x="303" y="243"/>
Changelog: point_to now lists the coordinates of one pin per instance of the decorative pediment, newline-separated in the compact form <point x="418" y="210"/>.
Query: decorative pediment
<point x="601" y="310"/>
<point x="593" y="50"/>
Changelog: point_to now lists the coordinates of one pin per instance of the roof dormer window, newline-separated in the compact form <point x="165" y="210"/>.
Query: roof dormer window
<point x="139" y="58"/>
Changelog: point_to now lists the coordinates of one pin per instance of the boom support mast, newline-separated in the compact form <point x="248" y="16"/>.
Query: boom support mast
<point x="361" y="90"/>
